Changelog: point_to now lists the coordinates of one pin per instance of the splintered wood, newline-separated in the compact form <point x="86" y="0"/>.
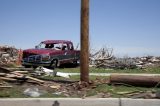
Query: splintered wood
<point x="17" y="76"/>
<point x="101" y="57"/>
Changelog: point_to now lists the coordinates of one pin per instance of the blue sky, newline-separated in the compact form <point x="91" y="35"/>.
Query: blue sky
<point x="130" y="27"/>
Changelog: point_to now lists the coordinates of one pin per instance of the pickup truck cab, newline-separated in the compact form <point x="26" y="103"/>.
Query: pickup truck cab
<point x="51" y="53"/>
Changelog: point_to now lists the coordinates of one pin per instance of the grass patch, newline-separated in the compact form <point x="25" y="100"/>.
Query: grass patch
<point x="72" y="78"/>
<point x="117" y="91"/>
<point x="15" y="92"/>
<point x="70" y="70"/>
<point x="77" y="77"/>
<point x="152" y="70"/>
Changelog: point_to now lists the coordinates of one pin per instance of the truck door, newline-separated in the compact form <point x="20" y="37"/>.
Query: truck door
<point x="68" y="52"/>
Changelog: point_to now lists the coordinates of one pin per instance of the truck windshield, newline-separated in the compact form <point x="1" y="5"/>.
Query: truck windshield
<point x="56" y="46"/>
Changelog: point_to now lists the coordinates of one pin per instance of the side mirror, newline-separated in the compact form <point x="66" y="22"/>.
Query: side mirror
<point x="36" y="47"/>
<point x="71" y="48"/>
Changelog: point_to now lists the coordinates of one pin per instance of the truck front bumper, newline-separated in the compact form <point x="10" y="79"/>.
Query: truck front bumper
<point x="36" y="63"/>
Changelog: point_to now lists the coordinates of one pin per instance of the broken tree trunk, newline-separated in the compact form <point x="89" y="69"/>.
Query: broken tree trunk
<point x="136" y="79"/>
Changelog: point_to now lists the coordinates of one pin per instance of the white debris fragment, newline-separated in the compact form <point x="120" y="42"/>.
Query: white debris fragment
<point x="49" y="72"/>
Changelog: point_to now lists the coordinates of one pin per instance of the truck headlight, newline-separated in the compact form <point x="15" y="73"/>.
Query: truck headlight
<point x="45" y="57"/>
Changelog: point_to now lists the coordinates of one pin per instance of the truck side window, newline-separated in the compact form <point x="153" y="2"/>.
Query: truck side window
<point x="64" y="47"/>
<point x="51" y="46"/>
<point x="47" y="46"/>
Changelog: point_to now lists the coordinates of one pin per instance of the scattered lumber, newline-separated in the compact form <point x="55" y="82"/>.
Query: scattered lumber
<point x="15" y="76"/>
<point x="4" y="70"/>
<point x="35" y="79"/>
<point x="7" y="79"/>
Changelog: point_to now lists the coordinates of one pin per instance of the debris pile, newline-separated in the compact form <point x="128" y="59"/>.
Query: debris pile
<point x="147" y="61"/>
<point x="35" y="78"/>
<point x="104" y="59"/>
<point x="8" y="55"/>
<point x="101" y="57"/>
<point x="35" y="85"/>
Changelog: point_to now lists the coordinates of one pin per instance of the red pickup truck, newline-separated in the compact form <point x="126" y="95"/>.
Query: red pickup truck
<point x="51" y="53"/>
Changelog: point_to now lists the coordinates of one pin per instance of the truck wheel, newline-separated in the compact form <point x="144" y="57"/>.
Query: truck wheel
<point x="76" y="63"/>
<point x="34" y="67"/>
<point x="27" y="66"/>
<point x="53" y="64"/>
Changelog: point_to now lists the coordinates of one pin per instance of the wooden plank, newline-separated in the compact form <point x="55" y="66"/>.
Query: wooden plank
<point x="22" y="72"/>
<point x="4" y="70"/>
<point x="6" y="86"/>
<point x="7" y="79"/>
<point x="2" y="74"/>
<point x="35" y="79"/>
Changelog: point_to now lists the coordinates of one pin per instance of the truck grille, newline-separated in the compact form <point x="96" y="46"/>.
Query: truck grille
<point x="35" y="58"/>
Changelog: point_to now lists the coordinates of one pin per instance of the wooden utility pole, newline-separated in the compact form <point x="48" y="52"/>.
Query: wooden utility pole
<point x="84" y="55"/>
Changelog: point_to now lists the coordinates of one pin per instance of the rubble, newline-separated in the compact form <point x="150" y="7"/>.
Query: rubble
<point x="35" y="87"/>
<point x="147" y="61"/>
<point x="9" y="55"/>
<point x="104" y="58"/>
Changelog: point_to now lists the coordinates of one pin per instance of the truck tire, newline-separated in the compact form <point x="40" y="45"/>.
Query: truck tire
<point x="53" y="64"/>
<point x="76" y="63"/>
